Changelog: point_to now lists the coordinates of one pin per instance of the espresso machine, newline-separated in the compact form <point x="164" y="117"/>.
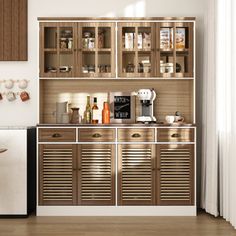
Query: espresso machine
<point x="146" y="98"/>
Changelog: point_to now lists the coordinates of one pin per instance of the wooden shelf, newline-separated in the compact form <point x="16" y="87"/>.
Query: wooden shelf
<point x="128" y="50"/>
<point x="88" y="50"/>
<point x="53" y="50"/>
<point x="104" y="49"/>
<point x="66" y="51"/>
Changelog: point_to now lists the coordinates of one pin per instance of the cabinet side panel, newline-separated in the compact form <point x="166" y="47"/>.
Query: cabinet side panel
<point x="23" y="41"/>
<point x="1" y="29"/>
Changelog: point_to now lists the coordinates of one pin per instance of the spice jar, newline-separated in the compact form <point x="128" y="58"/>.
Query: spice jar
<point x="130" y="68"/>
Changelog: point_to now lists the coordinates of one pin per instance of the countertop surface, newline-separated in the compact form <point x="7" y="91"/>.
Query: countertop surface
<point x="119" y="125"/>
<point x="16" y="127"/>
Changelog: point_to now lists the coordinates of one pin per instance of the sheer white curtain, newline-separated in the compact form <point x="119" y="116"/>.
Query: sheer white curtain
<point x="219" y="114"/>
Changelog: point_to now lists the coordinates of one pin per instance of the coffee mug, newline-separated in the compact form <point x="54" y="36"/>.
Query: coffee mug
<point x="170" y="119"/>
<point x="24" y="96"/>
<point x="11" y="96"/>
<point x="179" y="119"/>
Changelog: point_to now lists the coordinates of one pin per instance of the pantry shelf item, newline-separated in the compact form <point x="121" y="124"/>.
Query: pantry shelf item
<point x="75" y="116"/>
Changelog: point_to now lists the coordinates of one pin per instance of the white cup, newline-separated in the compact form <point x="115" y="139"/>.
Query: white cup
<point x="179" y="119"/>
<point x="170" y="119"/>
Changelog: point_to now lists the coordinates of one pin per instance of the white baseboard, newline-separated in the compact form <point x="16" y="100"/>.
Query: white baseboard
<point x="116" y="211"/>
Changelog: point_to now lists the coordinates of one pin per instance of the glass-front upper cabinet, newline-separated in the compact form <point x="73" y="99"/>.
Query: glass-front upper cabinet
<point x="97" y="47"/>
<point x="57" y="49"/>
<point x="174" y="49"/>
<point x="136" y="46"/>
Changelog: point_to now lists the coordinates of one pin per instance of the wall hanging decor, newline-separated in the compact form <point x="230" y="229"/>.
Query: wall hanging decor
<point x="13" y="30"/>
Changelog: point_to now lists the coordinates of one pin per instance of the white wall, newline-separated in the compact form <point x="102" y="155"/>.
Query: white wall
<point x="19" y="113"/>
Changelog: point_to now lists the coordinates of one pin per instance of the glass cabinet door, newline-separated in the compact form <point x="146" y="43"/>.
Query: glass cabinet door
<point x="136" y="49"/>
<point x="165" y="50"/>
<point x="57" y="49"/>
<point x="97" y="46"/>
<point x="174" y="49"/>
<point x="184" y="49"/>
<point x="66" y="59"/>
<point x="48" y="49"/>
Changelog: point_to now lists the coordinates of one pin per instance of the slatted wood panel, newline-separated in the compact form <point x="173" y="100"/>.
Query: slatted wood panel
<point x="136" y="176"/>
<point x="57" y="174"/>
<point x="96" y="174"/>
<point x="13" y="30"/>
<point x="178" y="96"/>
<point x="176" y="174"/>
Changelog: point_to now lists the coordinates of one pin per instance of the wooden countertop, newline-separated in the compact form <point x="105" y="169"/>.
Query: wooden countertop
<point x="118" y="125"/>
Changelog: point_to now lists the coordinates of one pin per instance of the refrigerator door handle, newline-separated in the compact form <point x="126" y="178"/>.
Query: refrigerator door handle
<point x="2" y="150"/>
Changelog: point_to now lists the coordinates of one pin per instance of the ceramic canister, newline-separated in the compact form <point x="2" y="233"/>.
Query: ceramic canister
<point x="61" y="108"/>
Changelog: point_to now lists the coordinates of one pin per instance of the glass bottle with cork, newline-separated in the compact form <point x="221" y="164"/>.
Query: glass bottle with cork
<point x="95" y="112"/>
<point x="88" y="114"/>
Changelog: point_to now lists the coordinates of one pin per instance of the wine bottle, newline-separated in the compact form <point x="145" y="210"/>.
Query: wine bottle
<point x="95" y="112"/>
<point x="88" y="114"/>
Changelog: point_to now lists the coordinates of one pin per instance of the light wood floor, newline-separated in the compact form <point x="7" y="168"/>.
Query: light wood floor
<point x="122" y="226"/>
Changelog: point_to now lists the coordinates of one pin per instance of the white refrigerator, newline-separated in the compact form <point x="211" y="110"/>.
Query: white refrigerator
<point x="14" y="151"/>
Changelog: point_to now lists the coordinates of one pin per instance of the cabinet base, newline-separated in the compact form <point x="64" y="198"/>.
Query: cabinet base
<point x="116" y="211"/>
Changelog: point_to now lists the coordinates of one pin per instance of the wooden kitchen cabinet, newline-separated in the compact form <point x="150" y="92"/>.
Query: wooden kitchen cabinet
<point x="57" y="174"/>
<point x="58" y="49"/>
<point x="13" y="30"/>
<point x="70" y="49"/>
<point x="96" y="174"/>
<point x="87" y="49"/>
<point x="174" y="49"/>
<point x="121" y="164"/>
<point x="175" y="174"/>
<point x="136" y="45"/>
<point x="97" y="46"/>
<point x="136" y="174"/>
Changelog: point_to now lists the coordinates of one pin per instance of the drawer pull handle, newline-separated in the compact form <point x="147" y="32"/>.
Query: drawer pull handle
<point x="2" y="150"/>
<point x="136" y="135"/>
<point x="97" y="135"/>
<point x="175" y="136"/>
<point x="56" y="135"/>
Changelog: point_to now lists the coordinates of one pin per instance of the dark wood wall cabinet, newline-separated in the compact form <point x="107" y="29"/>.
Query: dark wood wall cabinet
<point x="13" y="30"/>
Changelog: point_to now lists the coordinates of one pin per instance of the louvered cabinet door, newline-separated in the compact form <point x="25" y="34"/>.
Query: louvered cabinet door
<point x="136" y="174"/>
<point x="96" y="176"/>
<point x="175" y="171"/>
<point x="57" y="175"/>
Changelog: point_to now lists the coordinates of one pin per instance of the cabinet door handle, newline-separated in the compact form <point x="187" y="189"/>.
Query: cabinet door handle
<point x="2" y="150"/>
<point x="56" y="135"/>
<point x="175" y="135"/>
<point x="96" y="135"/>
<point x="136" y="135"/>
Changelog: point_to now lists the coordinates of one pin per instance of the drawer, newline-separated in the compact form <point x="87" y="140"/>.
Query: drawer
<point x="175" y="135"/>
<point x="136" y="135"/>
<point x="57" y="135"/>
<point x="97" y="135"/>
